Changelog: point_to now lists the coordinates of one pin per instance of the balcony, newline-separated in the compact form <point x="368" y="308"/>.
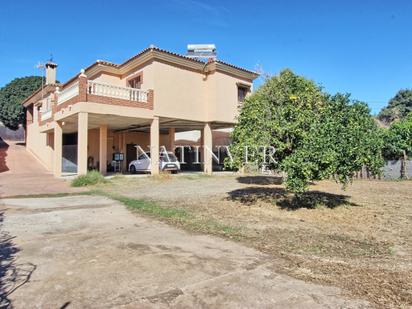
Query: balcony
<point x="68" y="93"/>
<point x="124" y="93"/>
<point x="84" y="90"/>
<point x="45" y="115"/>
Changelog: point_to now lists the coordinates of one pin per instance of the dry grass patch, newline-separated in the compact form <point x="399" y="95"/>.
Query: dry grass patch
<point x="359" y="239"/>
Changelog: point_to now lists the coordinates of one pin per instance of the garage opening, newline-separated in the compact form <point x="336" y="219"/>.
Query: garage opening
<point x="69" y="153"/>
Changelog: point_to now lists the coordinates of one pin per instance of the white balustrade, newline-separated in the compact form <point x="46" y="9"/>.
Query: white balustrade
<point x="68" y="93"/>
<point x="46" y="115"/>
<point x="119" y="92"/>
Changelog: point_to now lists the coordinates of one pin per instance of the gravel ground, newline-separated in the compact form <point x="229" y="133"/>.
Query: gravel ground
<point x="91" y="252"/>
<point x="359" y="239"/>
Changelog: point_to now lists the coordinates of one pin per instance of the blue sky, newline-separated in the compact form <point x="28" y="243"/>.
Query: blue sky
<point x="360" y="47"/>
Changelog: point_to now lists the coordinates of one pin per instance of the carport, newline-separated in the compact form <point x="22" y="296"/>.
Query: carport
<point x="96" y="138"/>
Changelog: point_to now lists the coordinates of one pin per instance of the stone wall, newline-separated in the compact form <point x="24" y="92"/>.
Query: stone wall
<point x="7" y="134"/>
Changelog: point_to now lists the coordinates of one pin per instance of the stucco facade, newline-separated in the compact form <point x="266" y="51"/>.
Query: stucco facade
<point x="143" y="101"/>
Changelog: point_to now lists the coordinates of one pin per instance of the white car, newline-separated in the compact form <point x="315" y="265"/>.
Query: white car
<point x="167" y="162"/>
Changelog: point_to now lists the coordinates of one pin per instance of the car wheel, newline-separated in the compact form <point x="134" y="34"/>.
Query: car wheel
<point x="133" y="169"/>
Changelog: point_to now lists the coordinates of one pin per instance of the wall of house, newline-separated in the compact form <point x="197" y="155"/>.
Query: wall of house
<point x="40" y="144"/>
<point x="185" y="94"/>
<point x="109" y="79"/>
<point x="116" y="142"/>
<point x="139" y="138"/>
<point x="93" y="146"/>
<point x="147" y="72"/>
<point x="178" y="93"/>
<point x="223" y="97"/>
<point x="143" y="139"/>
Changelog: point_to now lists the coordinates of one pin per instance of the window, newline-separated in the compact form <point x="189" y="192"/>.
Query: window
<point x="136" y="81"/>
<point x="144" y="156"/>
<point x="242" y="91"/>
<point x="46" y="105"/>
<point x="29" y="114"/>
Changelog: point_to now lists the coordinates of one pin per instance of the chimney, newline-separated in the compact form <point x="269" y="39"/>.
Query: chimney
<point x="50" y="73"/>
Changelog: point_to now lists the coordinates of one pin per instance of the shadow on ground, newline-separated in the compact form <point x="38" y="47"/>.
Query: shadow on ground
<point x="286" y="200"/>
<point x="12" y="274"/>
<point x="260" y="180"/>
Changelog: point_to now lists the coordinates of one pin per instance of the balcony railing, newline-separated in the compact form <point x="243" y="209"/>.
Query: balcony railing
<point x="84" y="90"/>
<point x="68" y="93"/>
<point x="118" y="92"/>
<point x="46" y="115"/>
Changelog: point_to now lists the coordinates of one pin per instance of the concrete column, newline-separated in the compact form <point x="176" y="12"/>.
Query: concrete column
<point x="82" y="86"/>
<point x="103" y="149"/>
<point x="201" y="153"/>
<point x="171" y="139"/>
<point x="119" y="140"/>
<point x="207" y="148"/>
<point x="124" y="149"/>
<point x="154" y="146"/>
<point x="58" y="149"/>
<point x="82" y="135"/>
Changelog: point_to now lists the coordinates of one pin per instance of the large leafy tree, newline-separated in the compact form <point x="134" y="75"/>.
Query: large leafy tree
<point x="278" y="114"/>
<point x="316" y="136"/>
<point x="339" y="142"/>
<point x="398" y="142"/>
<point x="398" y="107"/>
<point x="11" y="98"/>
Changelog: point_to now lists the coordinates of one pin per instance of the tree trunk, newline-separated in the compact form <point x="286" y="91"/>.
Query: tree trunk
<point x="404" y="160"/>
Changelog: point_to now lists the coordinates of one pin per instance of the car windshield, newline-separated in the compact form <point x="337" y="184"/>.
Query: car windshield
<point x="170" y="155"/>
<point x="163" y="157"/>
<point x="144" y="156"/>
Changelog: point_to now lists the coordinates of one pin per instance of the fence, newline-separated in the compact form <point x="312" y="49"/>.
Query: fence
<point x="391" y="170"/>
<point x="7" y="134"/>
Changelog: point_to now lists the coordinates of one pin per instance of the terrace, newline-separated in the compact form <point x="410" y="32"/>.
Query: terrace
<point x="85" y="90"/>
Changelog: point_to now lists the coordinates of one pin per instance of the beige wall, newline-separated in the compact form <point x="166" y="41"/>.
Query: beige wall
<point x="184" y="94"/>
<point x="119" y="142"/>
<point x="148" y="76"/>
<point x="223" y="97"/>
<point x="148" y="79"/>
<point x="93" y="145"/>
<point x="143" y="139"/>
<point x="109" y="79"/>
<point x="39" y="143"/>
<point x="178" y="93"/>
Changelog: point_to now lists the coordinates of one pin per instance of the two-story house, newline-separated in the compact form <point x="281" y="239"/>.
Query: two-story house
<point x="109" y="108"/>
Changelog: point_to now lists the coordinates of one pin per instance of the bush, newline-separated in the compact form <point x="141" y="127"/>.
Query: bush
<point x="91" y="178"/>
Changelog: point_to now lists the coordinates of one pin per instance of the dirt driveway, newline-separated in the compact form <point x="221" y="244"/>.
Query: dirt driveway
<point x="359" y="239"/>
<point x="91" y="252"/>
<point x="22" y="174"/>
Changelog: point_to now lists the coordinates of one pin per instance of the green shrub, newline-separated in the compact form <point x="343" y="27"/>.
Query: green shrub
<point x="91" y="178"/>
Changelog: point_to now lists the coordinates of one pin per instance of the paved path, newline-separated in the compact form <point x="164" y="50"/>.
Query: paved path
<point x="22" y="174"/>
<point x="91" y="252"/>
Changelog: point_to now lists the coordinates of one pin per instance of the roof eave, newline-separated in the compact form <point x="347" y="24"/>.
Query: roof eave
<point x="32" y="98"/>
<point x="153" y="53"/>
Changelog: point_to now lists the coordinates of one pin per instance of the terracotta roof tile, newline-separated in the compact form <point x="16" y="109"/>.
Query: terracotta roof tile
<point x="115" y="65"/>
<point x="173" y="54"/>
